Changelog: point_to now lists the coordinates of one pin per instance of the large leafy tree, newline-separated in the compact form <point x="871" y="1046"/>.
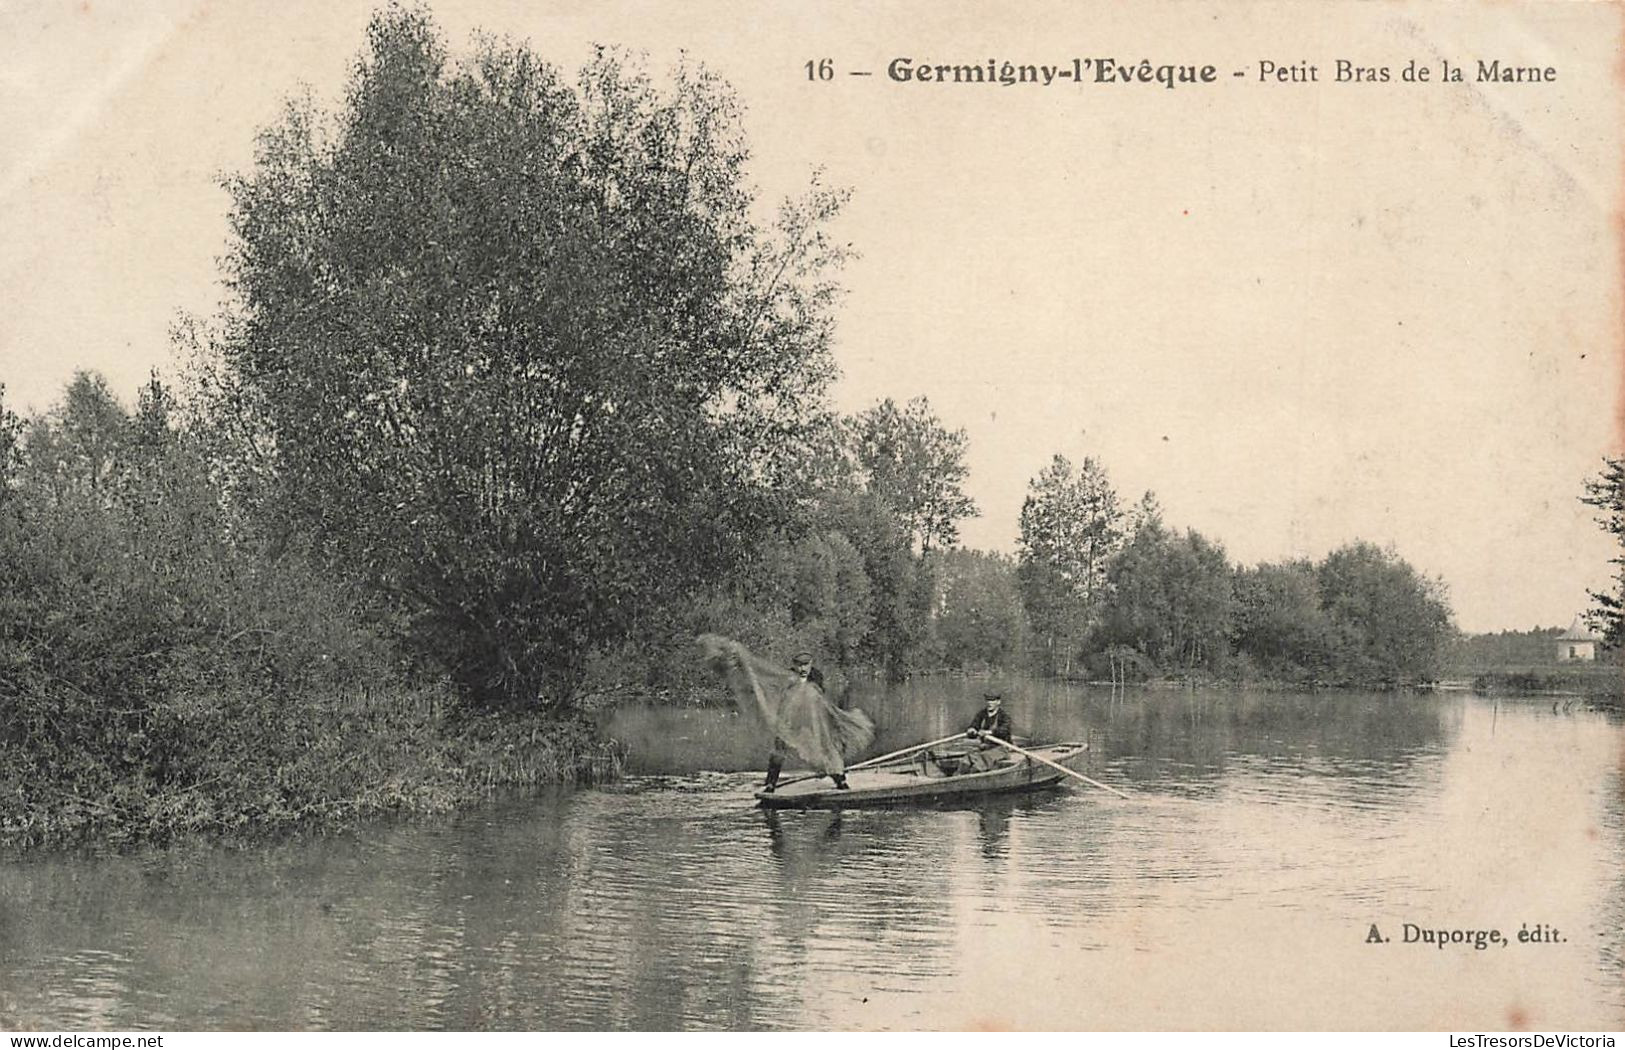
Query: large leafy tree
<point x="829" y="594"/>
<point x="515" y="351"/>
<point x="1071" y="525"/>
<point x="1361" y="616"/>
<point x="158" y="671"/>
<point x="899" y="581"/>
<point x="1389" y="624"/>
<point x="1279" y="624"/>
<point x="1170" y="598"/>
<point x="980" y="621"/>
<point x="915" y="466"/>
<point x="75" y="448"/>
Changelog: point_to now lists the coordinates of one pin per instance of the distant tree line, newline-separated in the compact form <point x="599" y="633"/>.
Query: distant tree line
<point x="1500" y="649"/>
<point x="1096" y="590"/>
<point x="1115" y="591"/>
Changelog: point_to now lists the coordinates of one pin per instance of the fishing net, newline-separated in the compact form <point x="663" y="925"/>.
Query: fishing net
<point x="779" y="704"/>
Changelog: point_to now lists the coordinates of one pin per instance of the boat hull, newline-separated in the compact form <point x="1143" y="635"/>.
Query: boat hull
<point x="919" y="780"/>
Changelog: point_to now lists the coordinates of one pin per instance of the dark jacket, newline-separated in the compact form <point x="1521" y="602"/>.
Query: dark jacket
<point x="994" y="725"/>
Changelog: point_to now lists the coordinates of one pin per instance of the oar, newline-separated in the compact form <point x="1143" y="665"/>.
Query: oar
<point x="906" y="750"/>
<point x="876" y="761"/>
<point x="1057" y="765"/>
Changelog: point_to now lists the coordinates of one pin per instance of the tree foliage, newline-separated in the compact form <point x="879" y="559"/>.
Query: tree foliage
<point x="1390" y="624"/>
<point x="1071" y="525"/>
<point x="1279" y="623"/>
<point x="899" y="580"/>
<point x="830" y="595"/>
<point x="12" y="428"/>
<point x="74" y="450"/>
<point x="519" y="354"/>
<point x="1361" y="616"/>
<point x="1504" y="649"/>
<point x="915" y="467"/>
<point x="159" y="673"/>
<point x="1606" y="492"/>
<point x="981" y="623"/>
<point x="1169" y="598"/>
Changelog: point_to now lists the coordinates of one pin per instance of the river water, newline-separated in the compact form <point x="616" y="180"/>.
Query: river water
<point x="1266" y="835"/>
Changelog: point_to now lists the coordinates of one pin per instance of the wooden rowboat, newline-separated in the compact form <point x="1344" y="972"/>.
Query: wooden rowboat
<point x="930" y="775"/>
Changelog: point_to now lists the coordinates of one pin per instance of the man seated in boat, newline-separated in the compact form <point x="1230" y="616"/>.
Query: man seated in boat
<point x="990" y="723"/>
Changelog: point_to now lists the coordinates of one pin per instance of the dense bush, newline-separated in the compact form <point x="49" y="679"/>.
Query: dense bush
<point x="161" y="674"/>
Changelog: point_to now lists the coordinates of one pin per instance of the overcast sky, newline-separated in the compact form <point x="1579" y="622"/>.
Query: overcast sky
<point x="1301" y="313"/>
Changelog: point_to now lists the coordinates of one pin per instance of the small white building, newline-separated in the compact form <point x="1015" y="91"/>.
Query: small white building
<point x="1577" y="643"/>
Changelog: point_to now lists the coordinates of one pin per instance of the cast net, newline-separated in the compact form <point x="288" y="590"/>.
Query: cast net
<point x="779" y="704"/>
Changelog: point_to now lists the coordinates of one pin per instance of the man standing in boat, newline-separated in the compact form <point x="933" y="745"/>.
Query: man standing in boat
<point x="802" y="667"/>
<point x="789" y="708"/>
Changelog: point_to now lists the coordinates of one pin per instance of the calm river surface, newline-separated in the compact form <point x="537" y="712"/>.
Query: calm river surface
<point x="1265" y="836"/>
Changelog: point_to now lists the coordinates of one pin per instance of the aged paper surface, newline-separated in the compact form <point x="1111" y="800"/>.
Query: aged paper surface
<point x="1311" y="272"/>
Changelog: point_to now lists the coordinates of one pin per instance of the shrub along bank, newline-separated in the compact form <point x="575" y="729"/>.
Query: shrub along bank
<point x="165" y="671"/>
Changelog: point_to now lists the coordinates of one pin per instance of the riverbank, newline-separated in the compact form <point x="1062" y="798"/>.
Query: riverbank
<point x="163" y="675"/>
<point x="1599" y="682"/>
<point x="339" y="767"/>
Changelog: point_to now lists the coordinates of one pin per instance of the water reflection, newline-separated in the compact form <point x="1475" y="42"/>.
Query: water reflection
<point x="1265" y="834"/>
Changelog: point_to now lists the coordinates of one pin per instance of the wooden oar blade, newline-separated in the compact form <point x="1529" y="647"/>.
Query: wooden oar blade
<point x="1069" y="772"/>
